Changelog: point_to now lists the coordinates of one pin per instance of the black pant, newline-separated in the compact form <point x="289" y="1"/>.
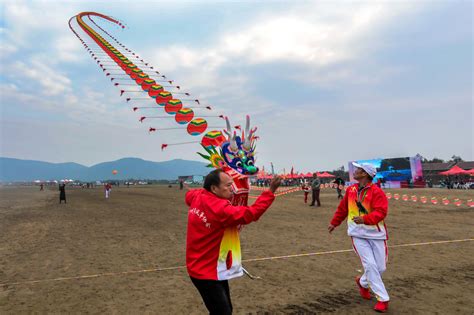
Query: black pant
<point x="215" y="295"/>
<point x="315" y="197"/>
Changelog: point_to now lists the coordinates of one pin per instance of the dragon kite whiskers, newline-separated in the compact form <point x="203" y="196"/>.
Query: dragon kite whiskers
<point x="140" y="81"/>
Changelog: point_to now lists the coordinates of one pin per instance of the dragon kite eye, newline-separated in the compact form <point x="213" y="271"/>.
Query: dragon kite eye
<point x="250" y="163"/>
<point x="238" y="164"/>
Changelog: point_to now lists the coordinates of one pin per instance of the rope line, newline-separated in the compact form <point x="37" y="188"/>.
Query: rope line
<point x="245" y="260"/>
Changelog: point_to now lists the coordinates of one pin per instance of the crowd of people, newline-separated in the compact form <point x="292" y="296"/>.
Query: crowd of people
<point x="455" y="183"/>
<point x="285" y="182"/>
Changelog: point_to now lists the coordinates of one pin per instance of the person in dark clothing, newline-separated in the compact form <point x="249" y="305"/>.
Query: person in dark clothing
<point x="316" y="187"/>
<point x="62" y="193"/>
<point x="181" y="184"/>
<point x="340" y="184"/>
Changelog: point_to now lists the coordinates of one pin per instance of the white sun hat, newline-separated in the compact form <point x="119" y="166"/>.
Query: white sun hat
<point x="369" y="169"/>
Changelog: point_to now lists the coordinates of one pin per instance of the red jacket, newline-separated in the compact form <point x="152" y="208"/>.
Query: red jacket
<point x="212" y="243"/>
<point x="374" y="201"/>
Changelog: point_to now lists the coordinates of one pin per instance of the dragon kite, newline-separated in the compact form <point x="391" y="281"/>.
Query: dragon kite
<point x="138" y="81"/>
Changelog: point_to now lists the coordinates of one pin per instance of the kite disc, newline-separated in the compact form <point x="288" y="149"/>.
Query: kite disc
<point x="197" y="126"/>
<point x="184" y="116"/>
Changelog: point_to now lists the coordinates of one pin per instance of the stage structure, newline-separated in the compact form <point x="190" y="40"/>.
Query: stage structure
<point x="395" y="172"/>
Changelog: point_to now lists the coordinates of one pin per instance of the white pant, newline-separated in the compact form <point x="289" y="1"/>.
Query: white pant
<point x="373" y="255"/>
<point x="107" y="193"/>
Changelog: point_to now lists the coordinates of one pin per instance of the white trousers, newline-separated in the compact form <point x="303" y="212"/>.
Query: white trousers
<point x="107" y="193"/>
<point x="373" y="255"/>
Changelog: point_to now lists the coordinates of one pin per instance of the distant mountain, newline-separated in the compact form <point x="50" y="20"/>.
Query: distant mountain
<point x="127" y="168"/>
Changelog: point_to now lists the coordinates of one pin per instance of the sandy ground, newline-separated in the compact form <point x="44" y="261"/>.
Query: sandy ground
<point x="141" y="228"/>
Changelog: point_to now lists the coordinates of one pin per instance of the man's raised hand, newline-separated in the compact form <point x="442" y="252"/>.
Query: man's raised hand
<point x="275" y="183"/>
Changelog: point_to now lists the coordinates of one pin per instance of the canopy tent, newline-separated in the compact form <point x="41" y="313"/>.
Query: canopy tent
<point x="295" y="175"/>
<point x="326" y="175"/>
<point x="455" y="170"/>
<point x="262" y="175"/>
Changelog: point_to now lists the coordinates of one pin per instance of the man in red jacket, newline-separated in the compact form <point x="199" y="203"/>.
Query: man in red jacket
<point x="366" y="206"/>
<point x="212" y="245"/>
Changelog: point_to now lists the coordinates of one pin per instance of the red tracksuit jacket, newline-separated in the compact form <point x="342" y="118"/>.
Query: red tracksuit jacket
<point x="374" y="201"/>
<point x="212" y="243"/>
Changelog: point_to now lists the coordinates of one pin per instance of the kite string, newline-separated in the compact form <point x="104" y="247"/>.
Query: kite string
<point x="270" y="258"/>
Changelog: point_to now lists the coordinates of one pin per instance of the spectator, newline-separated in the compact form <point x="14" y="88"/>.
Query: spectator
<point x="62" y="192"/>
<point x="306" y="189"/>
<point x="340" y="185"/>
<point x="316" y="188"/>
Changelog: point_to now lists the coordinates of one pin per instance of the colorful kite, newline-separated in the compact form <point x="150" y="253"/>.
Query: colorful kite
<point x="138" y="82"/>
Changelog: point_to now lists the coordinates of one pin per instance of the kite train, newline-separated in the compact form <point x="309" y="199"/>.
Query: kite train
<point x="138" y="82"/>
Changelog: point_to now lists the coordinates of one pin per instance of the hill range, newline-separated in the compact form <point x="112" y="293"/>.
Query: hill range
<point x="12" y="169"/>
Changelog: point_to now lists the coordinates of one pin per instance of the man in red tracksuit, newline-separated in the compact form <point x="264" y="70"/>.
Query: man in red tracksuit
<point x="213" y="253"/>
<point x="365" y="206"/>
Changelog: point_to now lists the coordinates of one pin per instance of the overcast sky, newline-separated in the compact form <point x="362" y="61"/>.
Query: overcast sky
<point x="326" y="82"/>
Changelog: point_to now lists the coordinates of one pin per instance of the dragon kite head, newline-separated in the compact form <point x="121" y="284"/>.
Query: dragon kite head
<point x="235" y="151"/>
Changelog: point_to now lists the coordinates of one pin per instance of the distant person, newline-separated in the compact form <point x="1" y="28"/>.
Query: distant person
<point x="41" y="187"/>
<point x="62" y="193"/>
<point x="340" y="184"/>
<point x="429" y="182"/>
<point x="448" y="182"/>
<point x="181" y="184"/>
<point x="108" y="189"/>
<point x="316" y="188"/>
<point x="306" y="190"/>
<point x="365" y="206"/>
<point x="213" y="253"/>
